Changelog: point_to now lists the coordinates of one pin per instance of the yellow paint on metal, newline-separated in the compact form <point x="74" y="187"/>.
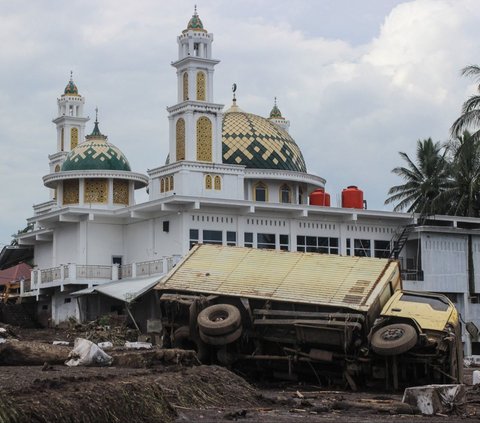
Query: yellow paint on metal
<point x="282" y="276"/>
<point x="421" y="311"/>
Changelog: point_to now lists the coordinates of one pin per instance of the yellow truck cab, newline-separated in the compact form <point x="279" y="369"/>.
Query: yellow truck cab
<point x="420" y="329"/>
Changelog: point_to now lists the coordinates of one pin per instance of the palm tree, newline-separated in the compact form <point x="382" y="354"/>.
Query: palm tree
<point x="470" y="118"/>
<point x="462" y="197"/>
<point x="425" y="180"/>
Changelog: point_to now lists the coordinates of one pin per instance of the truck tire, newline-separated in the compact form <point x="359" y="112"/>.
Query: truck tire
<point x="221" y="339"/>
<point x="394" y="339"/>
<point x="183" y="341"/>
<point x="219" y="319"/>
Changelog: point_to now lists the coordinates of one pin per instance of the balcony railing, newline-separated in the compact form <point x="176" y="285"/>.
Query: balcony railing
<point x="94" y="272"/>
<point x="148" y="268"/>
<point x="87" y="274"/>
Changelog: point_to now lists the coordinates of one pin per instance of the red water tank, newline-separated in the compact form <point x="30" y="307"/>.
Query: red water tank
<point x="320" y="198"/>
<point x="352" y="198"/>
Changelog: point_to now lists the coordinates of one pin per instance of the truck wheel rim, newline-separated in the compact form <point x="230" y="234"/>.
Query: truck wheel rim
<point x="393" y="334"/>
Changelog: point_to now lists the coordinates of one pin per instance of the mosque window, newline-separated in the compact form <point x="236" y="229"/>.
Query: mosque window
<point x="204" y="139"/>
<point x="167" y="184"/>
<point x="62" y="135"/>
<point x="201" y="86"/>
<point x="284" y="242"/>
<point x="317" y="244"/>
<point x="231" y="239"/>
<point x="260" y="192"/>
<point x="73" y="138"/>
<point x="185" y="86"/>
<point x="96" y="190"/>
<point x="208" y="182"/>
<point x="193" y="237"/>
<point x="217" y="183"/>
<point x="71" y="191"/>
<point x="248" y="239"/>
<point x="266" y="241"/>
<point x="180" y="139"/>
<point x="171" y="182"/>
<point x="381" y="249"/>
<point x="57" y="168"/>
<point x="361" y="248"/>
<point x="162" y="185"/>
<point x="285" y="194"/>
<point x="120" y="192"/>
<point x="212" y="237"/>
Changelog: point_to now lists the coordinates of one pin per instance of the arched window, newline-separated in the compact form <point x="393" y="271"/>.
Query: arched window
<point x="204" y="139"/>
<point x="57" y="168"/>
<point x="285" y="194"/>
<point x="167" y="184"/>
<point x="180" y="139"/>
<point x="171" y="183"/>
<point x="201" y="86"/>
<point x="73" y="138"/>
<point x="62" y="136"/>
<point x="217" y="183"/>
<point x="185" y="86"/>
<point x="208" y="182"/>
<point x="162" y="185"/>
<point x="260" y="192"/>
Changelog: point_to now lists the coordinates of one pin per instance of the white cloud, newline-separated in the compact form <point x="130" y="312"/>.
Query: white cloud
<point x="357" y="89"/>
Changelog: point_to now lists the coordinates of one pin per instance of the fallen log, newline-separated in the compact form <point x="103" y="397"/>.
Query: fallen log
<point x="31" y="353"/>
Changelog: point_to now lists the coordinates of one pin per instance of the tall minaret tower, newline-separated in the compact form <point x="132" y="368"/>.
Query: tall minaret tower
<point x="195" y="121"/>
<point x="70" y="124"/>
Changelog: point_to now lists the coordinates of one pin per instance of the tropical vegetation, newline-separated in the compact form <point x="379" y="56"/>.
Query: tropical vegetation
<point x="444" y="178"/>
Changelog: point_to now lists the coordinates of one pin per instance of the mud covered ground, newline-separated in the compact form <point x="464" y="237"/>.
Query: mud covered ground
<point x="170" y="391"/>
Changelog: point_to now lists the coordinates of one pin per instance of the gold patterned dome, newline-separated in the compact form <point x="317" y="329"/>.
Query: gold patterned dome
<point x="256" y="142"/>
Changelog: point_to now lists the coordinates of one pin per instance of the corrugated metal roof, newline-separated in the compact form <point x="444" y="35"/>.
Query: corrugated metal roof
<point x="282" y="276"/>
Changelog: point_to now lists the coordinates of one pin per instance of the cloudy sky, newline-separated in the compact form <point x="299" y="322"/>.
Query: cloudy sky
<point x="359" y="80"/>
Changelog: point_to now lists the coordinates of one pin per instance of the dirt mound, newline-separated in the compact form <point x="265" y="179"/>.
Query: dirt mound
<point x="134" y="397"/>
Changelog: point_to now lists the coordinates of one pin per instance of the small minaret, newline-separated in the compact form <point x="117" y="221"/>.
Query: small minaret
<point x="70" y="124"/>
<point x="195" y="121"/>
<point x="277" y="118"/>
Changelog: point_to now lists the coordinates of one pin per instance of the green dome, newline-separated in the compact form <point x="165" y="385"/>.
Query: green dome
<point x="96" y="153"/>
<point x="195" y="22"/>
<point x="71" y="88"/>
<point x="257" y="143"/>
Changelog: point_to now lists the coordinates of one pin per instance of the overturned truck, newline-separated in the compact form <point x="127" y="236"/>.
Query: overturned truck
<point x="325" y="316"/>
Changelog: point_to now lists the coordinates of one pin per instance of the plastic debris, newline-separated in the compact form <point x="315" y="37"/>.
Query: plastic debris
<point x="86" y="353"/>
<point x="139" y="345"/>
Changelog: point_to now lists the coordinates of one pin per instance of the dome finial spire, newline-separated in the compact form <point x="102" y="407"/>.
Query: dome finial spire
<point x="96" y="130"/>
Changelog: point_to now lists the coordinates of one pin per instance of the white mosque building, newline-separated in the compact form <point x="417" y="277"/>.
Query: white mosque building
<point x="231" y="178"/>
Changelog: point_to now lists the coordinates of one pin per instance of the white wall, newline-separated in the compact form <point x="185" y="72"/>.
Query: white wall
<point x="103" y="241"/>
<point x="43" y="257"/>
<point x="66" y="243"/>
<point x="444" y="262"/>
<point x="62" y="310"/>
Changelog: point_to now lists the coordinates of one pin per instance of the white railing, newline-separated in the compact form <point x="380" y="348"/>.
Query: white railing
<point x="125" y="271"/>
<point x="94" y="271"/>
<point x="70" y="273"/>
<point x="148" y="268"/>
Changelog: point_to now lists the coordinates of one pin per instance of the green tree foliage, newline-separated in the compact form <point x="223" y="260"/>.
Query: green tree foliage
<point x="469" y="120"/>
<point x="425" y="179"/>
<point x="462" y="198"/>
